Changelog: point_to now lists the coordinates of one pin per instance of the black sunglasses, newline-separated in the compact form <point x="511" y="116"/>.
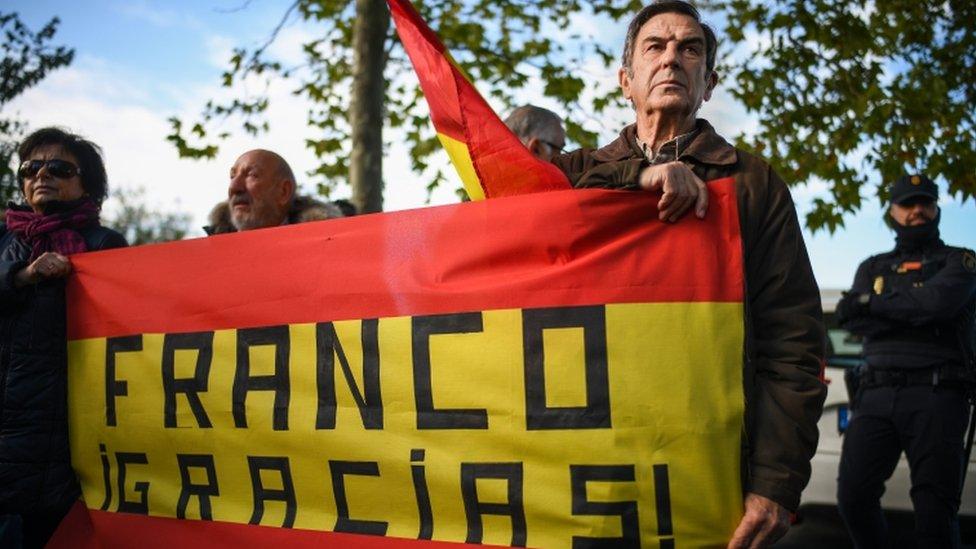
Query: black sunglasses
<point x="62" y="169"/>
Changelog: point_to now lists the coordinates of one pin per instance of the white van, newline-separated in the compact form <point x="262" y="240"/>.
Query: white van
<point x="843" y="352"/>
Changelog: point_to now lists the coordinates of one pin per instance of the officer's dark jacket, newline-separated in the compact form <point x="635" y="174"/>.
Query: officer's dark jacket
<point x="35" y="471"/>
<point x="784" y="323"/>
<point x="921" y="306"/>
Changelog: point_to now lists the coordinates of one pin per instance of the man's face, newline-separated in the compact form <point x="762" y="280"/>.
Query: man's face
<point x="667" y="72"/>
<point x="258" y="194"/>
<point x="914" y="211"/>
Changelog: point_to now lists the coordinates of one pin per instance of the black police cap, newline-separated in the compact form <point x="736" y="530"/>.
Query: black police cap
<point x="911" y="186"/>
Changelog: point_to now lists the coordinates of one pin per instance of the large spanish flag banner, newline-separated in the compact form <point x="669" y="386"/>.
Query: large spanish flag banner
<point x="489" y="158"/>
<point x="552" y="370"/>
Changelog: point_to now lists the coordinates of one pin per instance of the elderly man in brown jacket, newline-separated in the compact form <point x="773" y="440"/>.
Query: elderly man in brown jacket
<point x="668" y="70"/>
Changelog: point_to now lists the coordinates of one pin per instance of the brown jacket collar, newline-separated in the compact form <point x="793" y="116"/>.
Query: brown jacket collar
<point x="708" y="147"/>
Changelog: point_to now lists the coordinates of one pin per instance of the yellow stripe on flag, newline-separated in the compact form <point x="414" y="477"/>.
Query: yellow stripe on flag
<point x="461" y="157"/>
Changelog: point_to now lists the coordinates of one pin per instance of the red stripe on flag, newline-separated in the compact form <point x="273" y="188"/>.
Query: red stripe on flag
<point x="503" y="165"/>
<point x="435" y="72"/>
<point x="563" y="248"/>
<point x="86" y="528"/>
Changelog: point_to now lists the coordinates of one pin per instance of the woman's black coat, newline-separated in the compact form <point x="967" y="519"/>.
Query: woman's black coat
<point x="35" y="468"/>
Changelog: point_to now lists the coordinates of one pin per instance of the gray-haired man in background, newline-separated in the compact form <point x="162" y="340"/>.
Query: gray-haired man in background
<point x="540" y="130"/>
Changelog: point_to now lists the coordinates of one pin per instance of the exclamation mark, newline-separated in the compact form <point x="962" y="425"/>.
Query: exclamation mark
<point x="662" y="495"/>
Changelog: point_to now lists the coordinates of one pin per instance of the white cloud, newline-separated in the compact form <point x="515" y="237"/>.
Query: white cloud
<point x="805" y="193"/>
<point x="141" y="10"/>
<point x="287" y="46"/>
<point x="219" y="50"/>
<point x="727" y="115"/>
<point x="93" y="77"/>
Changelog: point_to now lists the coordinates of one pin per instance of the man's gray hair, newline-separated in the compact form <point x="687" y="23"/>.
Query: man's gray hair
<point x="529" y="121"/>
<point x="668" y="6"/>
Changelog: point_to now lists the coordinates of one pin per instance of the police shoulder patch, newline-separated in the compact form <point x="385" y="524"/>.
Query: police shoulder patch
<point x="969" y="261"/>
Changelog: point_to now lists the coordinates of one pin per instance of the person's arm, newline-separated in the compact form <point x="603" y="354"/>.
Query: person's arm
<point x="584" y="172"/>
<point x="681" y="190"/>
<point x="9" y="290"/>
<point x="852" y="309"/>
<point x="851" y="306"/>
<point x="621" y="175"/>
<point x="785" y="348"/>
<point x="939" y="299"/>
<point x="16" y="277"/>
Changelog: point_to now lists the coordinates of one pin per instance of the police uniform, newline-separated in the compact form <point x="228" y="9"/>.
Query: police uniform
<point x="915" y="308"/>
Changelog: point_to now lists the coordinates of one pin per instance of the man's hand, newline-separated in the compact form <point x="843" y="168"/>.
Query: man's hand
<point x="764" y="522"/>
<point x="681" y="187"/>
<point x="48" y="266"/>
<point x="852" y="305"/>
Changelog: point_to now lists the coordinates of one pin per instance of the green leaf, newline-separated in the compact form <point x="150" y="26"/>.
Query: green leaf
<point x="855" y="98"/>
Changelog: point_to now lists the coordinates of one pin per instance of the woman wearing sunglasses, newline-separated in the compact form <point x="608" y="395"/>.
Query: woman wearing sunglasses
<point x="63" y="182"/>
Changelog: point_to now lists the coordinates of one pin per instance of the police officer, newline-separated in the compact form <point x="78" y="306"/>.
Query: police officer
<point x="914" y="306"/>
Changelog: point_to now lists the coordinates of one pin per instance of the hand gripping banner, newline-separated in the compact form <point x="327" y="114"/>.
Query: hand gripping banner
<point x="550" y="370"/>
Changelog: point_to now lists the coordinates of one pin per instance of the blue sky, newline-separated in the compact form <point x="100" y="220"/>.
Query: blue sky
<point x="139" y="62"/>
<point x="149" y="40"/>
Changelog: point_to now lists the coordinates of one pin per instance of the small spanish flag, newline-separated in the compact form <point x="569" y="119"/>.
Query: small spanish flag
<point x="490" y="159"/>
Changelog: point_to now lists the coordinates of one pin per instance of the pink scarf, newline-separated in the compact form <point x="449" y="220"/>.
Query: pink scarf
<point x="53" y="232"/>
